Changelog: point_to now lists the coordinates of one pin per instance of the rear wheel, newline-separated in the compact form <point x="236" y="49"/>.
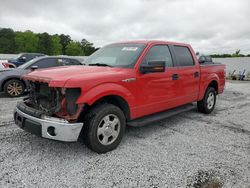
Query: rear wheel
<point x="207" y="104"/>
<point x="14" y="88"/>
<point x="104" y="127"/>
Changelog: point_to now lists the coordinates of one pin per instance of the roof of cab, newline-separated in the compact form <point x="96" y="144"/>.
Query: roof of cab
<point x="152" y="42"/>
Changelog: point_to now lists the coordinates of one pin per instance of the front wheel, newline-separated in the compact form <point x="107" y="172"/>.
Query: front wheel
<point x="104" y="127"/>
<point x="14" y="88"/>
<point x="207" y="104"/>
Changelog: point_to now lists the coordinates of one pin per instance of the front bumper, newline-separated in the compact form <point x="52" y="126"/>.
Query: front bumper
<point x="62" y="131"/>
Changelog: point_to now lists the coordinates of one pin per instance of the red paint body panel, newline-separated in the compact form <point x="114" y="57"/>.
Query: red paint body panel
<point x="147" y="94"/>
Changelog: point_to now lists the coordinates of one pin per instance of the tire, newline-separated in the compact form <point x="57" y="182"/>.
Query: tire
<point x="14" y="88"/>
<point x="207" y="104"/>
<point x="103" y="128"/>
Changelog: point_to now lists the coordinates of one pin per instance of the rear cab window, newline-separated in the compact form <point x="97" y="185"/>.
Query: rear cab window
<point x="183" y="56"/>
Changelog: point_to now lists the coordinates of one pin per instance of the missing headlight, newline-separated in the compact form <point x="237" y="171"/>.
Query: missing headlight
<point x="71" y="96"/>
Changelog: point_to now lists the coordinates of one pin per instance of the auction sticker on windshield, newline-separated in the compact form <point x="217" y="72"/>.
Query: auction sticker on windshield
<point x="129" y="48"/>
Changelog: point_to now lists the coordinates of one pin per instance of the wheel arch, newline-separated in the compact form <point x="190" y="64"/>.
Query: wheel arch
<point x="117" y="101"/>
<point x="12" y="78"/>
<point x="214" y="84"/>
<point x="211" y="81"/>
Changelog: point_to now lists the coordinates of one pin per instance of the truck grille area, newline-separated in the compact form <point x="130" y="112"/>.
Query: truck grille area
<point x="55" y="102"/>
<point x="44" y="98"/>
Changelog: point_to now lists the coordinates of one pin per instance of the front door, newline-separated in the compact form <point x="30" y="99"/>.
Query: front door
<point x="157" y="91"/>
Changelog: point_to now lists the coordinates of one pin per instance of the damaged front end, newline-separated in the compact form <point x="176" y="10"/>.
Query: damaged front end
<point x="50" y="112"/>
<point x="54" y="102"/>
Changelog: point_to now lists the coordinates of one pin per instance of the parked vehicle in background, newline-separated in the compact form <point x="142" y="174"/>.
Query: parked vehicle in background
<point x="23" y="58"/>
<point x="4" y="64"/>
<point x="205" y="59"/>
<point x="11" y="82"/>
<point x="79" y="58"/>
<point x="132" y="83"/>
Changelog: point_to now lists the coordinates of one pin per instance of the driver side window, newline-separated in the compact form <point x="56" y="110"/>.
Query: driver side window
<point x="46" y="63"/>
<point x="159" y="53"/>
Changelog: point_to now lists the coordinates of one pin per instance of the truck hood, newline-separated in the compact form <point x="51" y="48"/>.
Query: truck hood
<point x="73" y="76"/>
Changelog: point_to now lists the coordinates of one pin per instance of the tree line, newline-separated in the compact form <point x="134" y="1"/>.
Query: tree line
<point x="236" y="54"/>
<point x="12" y="42"/>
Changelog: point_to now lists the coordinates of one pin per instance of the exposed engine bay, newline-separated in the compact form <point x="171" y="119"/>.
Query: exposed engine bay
<point x="55" y="102"/>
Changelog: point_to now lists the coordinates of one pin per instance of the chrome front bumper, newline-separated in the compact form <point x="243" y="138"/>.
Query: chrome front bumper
<point x="56" y="130"/>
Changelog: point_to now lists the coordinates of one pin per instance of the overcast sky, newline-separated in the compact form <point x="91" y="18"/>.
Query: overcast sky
<point x="210" y="26"/>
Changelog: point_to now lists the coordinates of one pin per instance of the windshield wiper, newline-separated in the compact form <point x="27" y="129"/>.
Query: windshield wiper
<point x="99" y="64"/>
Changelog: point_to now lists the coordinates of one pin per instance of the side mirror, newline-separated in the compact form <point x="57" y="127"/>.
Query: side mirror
<point x="153" y="66"/>
<point x="33" y="68"/>
<point x="22" y="59"/>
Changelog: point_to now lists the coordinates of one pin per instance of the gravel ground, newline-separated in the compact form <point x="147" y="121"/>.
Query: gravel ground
<point x="187" y="150"/>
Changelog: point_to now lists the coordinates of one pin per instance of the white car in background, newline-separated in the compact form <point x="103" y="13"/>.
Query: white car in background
<point x="4" y="64"/>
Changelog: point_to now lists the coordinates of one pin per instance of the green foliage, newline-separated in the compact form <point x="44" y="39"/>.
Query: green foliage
<point x="220" y="55"/>
<point x="16" y="42"/>
<point x="74" y="49"/>
<point x="64" y="40"/>
<point x="56" y="45"/>
<point x="7" y="41"/>
<point x="236" y="54"/>
<point x="87" y="47"/>
<point x="45" y="44"/>
<point x="26" y="41"/>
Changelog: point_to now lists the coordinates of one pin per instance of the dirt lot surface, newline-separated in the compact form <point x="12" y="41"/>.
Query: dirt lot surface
<point x="187" y="150"/>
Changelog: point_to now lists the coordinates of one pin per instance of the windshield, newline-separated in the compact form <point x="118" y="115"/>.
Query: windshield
<point x="116" y="55"/>
<point x="18" y="56"/>
<point x="27" y="64"/>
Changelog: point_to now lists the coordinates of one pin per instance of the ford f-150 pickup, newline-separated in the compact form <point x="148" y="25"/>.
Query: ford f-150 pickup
<point x="129" y="83"/>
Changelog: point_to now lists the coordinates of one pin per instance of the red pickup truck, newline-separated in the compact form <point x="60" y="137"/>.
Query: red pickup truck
<point x="128" y="83"/>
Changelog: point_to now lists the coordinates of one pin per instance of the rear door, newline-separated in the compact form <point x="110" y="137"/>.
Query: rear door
<point x="188" y="74"/>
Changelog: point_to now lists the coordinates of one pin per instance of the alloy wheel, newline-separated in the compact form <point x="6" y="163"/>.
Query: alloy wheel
<point x="108" y="129"/>
<point x="14" y="89"/>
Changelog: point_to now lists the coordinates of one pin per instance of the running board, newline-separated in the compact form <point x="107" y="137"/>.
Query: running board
<point x="160" y="116"/>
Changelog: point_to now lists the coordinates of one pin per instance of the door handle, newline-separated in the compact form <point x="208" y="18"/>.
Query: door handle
<point x="175" y="76"/>
<point x="196" y="74"/>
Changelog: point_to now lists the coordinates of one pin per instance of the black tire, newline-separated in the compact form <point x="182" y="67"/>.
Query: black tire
<point x="14" y="88"/>
<point x="96" y="129"/>
<point x="204" y="105"/>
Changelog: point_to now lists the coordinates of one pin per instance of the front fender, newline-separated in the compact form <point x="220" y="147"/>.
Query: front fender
<point x="103" y="90"/>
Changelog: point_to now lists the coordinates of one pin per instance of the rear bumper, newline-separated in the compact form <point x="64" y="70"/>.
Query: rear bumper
<point x="46" y="128"/>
